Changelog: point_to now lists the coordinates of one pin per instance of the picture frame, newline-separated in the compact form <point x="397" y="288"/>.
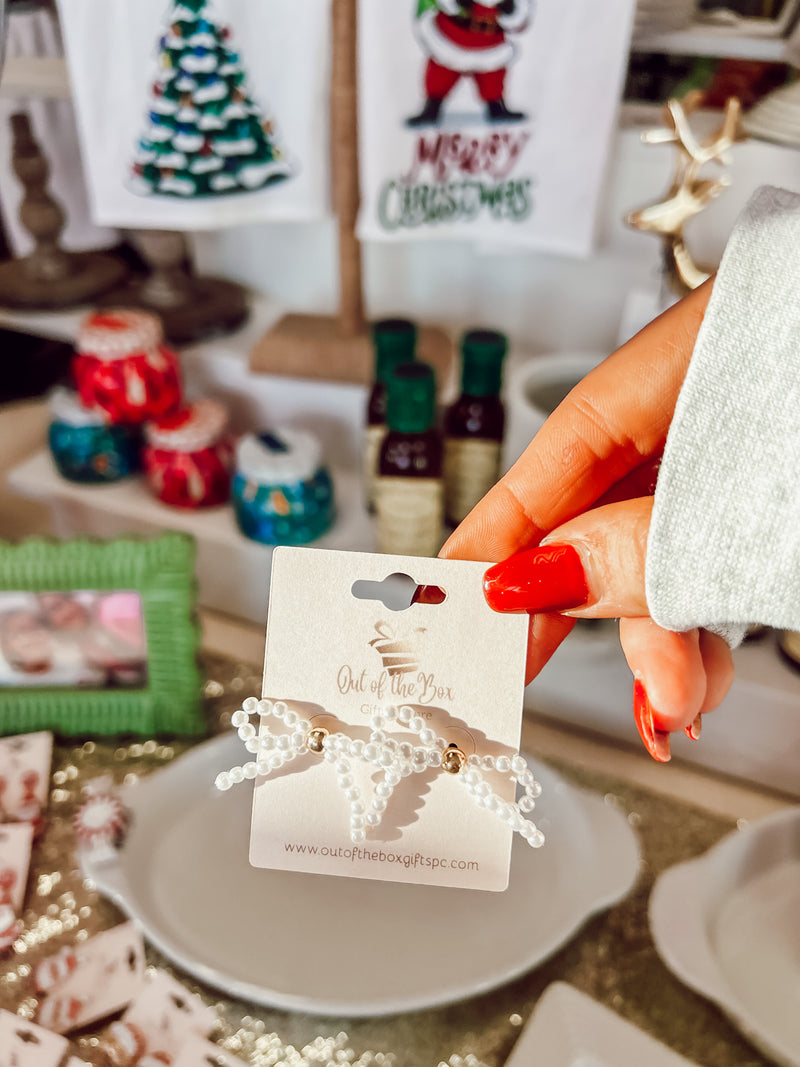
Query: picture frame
<point x="166" y="696"/>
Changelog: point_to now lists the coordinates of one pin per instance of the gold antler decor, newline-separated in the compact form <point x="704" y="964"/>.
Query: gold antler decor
<point x="688" y="194"/>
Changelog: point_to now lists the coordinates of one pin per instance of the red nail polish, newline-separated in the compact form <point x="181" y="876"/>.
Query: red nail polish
<point x="655" y="741"/>
<point x="550" y="578"/>
<point x="693" y="730"/>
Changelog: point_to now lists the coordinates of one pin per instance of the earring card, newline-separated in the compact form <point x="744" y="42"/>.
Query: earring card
<point x="23" y="1044"/>
<point x="336" y="659"/>
<point x="108" y="973"/>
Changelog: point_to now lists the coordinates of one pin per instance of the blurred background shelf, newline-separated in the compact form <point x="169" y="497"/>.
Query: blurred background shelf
<point x="703" y="39"/>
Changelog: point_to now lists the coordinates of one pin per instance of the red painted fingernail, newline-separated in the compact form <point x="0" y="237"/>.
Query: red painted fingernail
<point x="550" y="578"/>
<point x="693" y="730"/>
<point x="655" y="741"/>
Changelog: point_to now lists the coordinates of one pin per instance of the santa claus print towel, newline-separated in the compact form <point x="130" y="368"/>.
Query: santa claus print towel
<point x="201" y="114"/>
<point x="488" y="122"/>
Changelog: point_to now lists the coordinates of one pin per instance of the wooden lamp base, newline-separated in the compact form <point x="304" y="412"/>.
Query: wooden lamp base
<point x="316" y="346"/>
<point x="86" y="276"/>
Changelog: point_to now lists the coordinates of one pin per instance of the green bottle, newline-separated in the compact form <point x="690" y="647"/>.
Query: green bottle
<point x="474" y="424"/>
<point x="395" y="342"/>
<point x="409" y="491"/>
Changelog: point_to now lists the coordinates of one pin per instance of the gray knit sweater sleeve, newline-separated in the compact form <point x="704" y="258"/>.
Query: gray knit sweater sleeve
<point x="724" y="544"/>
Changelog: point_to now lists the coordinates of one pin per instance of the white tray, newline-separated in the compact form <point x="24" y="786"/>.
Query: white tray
<point x="341" y="946"/>
<point x="728" y="925"/>
<point x="569" y="1029"/>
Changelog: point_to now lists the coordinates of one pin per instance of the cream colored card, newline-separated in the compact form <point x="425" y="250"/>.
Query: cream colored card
<point x="166" y="1015"/>
<point x="22" y="1044"/>
<point x="108" y="974"/>
<point x="15" y="860"/>
<point x="336" y="659"/>
<point x="24" y="775"/>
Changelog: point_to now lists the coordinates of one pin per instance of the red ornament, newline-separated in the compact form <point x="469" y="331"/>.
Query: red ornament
<point x="123" y="368"/>
<point x="225" y="33"/>
<point x="188" y="458"/>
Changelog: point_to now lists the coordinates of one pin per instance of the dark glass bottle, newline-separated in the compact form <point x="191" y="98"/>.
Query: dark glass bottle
<point x="409" y="492"/>
<point x="395" y="343"/>
<point x="474" y="424"/>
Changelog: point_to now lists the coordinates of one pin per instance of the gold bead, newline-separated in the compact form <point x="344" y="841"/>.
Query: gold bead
<point x="453" y="759"/>
<point x="316" y="739"/>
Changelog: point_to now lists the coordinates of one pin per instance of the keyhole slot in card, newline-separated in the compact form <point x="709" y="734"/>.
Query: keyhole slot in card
<point x="398" y="592"/>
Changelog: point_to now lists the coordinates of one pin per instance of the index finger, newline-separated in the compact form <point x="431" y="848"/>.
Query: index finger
<point x="612" y="422"/>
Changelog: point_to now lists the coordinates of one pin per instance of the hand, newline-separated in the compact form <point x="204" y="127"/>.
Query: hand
<point x="581" y="491"/>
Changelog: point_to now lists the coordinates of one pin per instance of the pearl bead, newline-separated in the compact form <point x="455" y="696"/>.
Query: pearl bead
<point x="383" y="789"/>
<point x="275" y="760"/>
<point x="416" y="724"/>
<point x="299" y="740"/>
<point x="434" y="758"/>
<point x="357" y="822"/>
<point x="519" y="764"/>
<point x="357" y="749"/>
<point x="279" y="709"/>
<point x="267" y="743"/>
<point x="252" y="744"/>
<point x="427" y="736"/>
<point x="372" y="818"/>
<point x="291" y="717"/>
<point x="237" y="775"/>
<point x="345" y="781"/>
<point x="534" y="790"/>
<point x="342" y="766"/>
<point x="357" y="836"/>
<point x="492" y="803"/>
<point x="263" y="766"/>
<point x="386" y="759"/>
<point x="537" y="839"/>
<point x="250" y="705"/>
<point x="379" y="804"/>
<point x="526" y="803"/>
<point x="390" y="744"/>
<point x="482" y="789"/>
<point x="405" y="750"/>
<point x="250" y="770"/>
<point x="239" y="718"/>
<point x="470" y="777"/>
<point x="378" y="721"/>
<point x="265" y="707"/>
<point x="392" y="776"/>
<point x="357" y="808"/>
<point x="503" y="764"/>
<point x="223" y="781"/>
<point x="284" y="743"/>
<point x="377" y="737"/>
<point x="404" y="714"/>
<point x="351" y="794"/>
<point x="488" y="763"/>
<point x="390" y="713"/>
<point x="370" y="753"/>
<point x="440" y="743"/>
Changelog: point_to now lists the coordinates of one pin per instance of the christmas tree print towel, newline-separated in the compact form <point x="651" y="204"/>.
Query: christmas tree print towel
<point x="201" y="114"/>
<point x="205" y="136"/>
<point x="488" y="121"/>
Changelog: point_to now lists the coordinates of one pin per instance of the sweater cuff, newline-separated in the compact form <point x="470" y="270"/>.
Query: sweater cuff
<point x="724" y="543"/>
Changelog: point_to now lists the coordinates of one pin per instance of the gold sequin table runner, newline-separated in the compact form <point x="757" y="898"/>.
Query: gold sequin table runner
<point x="612" y="958"/>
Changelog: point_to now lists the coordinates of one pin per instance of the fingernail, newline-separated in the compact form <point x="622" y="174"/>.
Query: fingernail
<point x="693" y="731"/>
<point x="655" y="741"/>
<point x="550" y="578"/>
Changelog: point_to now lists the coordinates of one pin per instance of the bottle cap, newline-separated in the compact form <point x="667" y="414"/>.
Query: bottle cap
<point x="411" y="399"/>
<point x="191" y="429"/>
<point x="66" y="408"/>
<point x="118" y="332"/>
<point x="395" y="342"/>
<point x="282" y="457"/>
<point x="483" y="352"/>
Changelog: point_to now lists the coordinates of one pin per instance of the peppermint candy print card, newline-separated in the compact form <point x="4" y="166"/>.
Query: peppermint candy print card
<point x="23" y="1044"/>
<point x="88" y="982"/>
<point x="15" y="858"/>
<point x="24" y="775"/>
<point x="166" y="1015"/>
<point x="386" y="743"/>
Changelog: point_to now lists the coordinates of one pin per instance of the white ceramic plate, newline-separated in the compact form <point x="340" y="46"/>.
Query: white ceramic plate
<point x="342" y="946"/>
<point x="569" y="1029"/>
<point x="728" y="925"/>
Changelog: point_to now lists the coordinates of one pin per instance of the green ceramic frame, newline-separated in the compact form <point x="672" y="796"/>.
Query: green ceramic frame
<point x="161" y="571"/>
